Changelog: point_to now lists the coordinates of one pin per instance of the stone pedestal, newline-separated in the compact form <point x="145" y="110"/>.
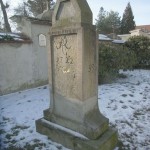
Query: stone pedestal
<point x="73" y="79"/>
<point x="75" y="141"/>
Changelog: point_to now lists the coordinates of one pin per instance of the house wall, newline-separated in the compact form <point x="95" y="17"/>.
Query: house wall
<point x="144" y="34"/>
<point x="125" y="37"/>
<point x="40" y="52"/>
<point x="21" y="67"/>
<point x="25" y="27"/>
<point x="24" y="65"/>
<point x="138" y="32"/>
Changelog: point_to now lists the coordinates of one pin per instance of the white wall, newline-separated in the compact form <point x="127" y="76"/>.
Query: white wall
<point x="40" y="52"/>
<point x="22" y="67"/>
<point x="125" y="37"/>
<point x="138" y="32"/>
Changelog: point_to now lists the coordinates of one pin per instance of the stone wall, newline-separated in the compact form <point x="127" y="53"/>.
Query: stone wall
<point x="22" y="66"/>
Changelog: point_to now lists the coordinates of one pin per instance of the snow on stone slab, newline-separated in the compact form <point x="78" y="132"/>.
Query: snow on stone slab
<point x="15" y="37"/>
<point x="118" y="41"/>
<point x="104" y="37"/>
<point x="56" y="126"/>
<point x="18" y="39"/>
<point x="10" y="34"/>
<point x="126" y="103"/>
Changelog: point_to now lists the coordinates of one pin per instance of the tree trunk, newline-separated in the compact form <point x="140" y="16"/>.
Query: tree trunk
<point x="3" y="7"/>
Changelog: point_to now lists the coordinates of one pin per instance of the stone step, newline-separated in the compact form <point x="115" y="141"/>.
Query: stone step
<point x="74" y="140"/>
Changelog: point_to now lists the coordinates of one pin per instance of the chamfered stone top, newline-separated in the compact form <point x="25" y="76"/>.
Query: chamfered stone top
<point x="69" y="12"/>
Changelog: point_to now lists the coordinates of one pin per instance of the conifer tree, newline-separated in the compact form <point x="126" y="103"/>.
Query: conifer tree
<point x="108" y="22"/>
<point x="100" y="22"/>
<point x="127" y="23"/>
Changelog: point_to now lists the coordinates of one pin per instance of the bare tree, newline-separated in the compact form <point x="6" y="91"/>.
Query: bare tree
<point x="38" y="6"/>
<point x="1" y="22"/>
<point x="3" y="8"/>
<point x="22" y="9"/>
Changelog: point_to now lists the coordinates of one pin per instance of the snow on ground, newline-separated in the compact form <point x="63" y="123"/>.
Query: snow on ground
<point x="126" y="103"/>
<point x="17" y="121"/>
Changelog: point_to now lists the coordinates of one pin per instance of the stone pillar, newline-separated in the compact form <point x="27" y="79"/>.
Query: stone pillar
<point x="73" y="81"/>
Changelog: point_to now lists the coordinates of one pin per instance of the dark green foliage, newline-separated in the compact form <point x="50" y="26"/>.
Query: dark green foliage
<point x="140" y="45"/>
<point x="108" y="22"/>
<point x="100" y="22"/>
<point x="112" y="58"/>
<point x="127" y="23"/>
<point x="6" y="38"/>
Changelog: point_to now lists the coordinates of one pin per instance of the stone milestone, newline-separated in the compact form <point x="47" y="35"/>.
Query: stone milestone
<point x="74" y="119"/>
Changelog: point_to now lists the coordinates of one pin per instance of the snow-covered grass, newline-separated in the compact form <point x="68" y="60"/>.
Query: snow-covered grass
<point x="126" y="103"/>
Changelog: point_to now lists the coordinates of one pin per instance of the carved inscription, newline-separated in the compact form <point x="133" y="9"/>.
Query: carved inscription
<point x="92" y="68"/>
<point x="42" y="40"/>
<point x="65" y="62"/>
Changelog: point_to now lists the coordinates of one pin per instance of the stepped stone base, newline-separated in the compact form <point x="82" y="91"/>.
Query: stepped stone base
<point x="74" y="140"/>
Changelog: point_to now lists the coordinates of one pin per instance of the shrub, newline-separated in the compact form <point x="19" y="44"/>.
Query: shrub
<point x="6" y="37"/>
<point x="112" y="58"/>
<point x="141" y="46"/>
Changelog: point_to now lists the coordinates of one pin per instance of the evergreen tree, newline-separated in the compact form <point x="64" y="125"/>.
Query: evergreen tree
<point x="108" y="22"/>
<point x="127" y="23"/>
<point x="114" y="22"/>
<point x="100" y="22"/>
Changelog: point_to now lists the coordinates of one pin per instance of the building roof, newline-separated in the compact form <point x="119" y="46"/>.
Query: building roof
<point x="124" y="35"/>
<point x="118" y="41"/>
<point x="103" y="37"/>
<point x="143" y="27"/>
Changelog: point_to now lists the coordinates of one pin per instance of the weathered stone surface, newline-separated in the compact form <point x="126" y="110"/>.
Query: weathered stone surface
<point x="93" y="125"/>
<point x="74" y="140"/>
<point x="73" y="78"/>
<point x="69" y="12"/>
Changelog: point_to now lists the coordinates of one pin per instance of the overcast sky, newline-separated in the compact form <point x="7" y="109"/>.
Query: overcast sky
<point x="140" y="8"/>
